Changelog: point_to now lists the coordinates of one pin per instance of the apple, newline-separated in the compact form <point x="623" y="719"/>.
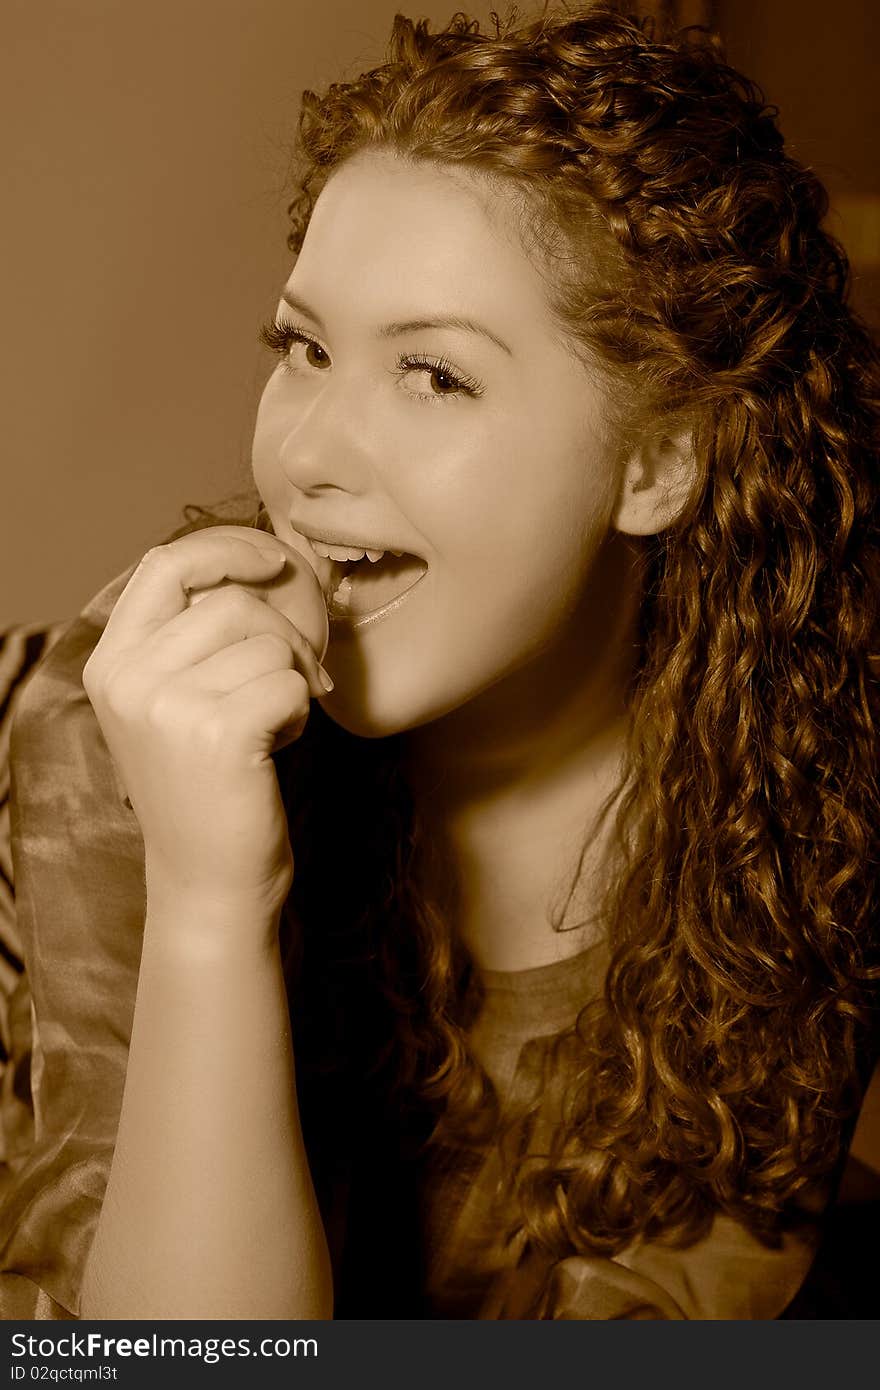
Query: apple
<point x="295" y="592"/>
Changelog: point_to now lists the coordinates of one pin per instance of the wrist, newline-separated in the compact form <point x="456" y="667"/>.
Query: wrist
<point x="209" y="920"/>
<point x="213" y="884"/>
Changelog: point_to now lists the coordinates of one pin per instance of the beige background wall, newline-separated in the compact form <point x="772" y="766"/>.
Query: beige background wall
<point x="143" y="151"/>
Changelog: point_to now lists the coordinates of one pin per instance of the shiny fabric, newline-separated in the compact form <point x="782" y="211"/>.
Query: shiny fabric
<point x="21" y="648"/>
<point x="77" y="858"/>
<point x="78" y="864"/>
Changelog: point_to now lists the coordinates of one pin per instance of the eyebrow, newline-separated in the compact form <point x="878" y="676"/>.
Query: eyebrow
<point x="397" y="329"/>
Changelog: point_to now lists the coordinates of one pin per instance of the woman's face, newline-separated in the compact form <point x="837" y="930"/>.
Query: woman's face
<point x="428" y="403"/>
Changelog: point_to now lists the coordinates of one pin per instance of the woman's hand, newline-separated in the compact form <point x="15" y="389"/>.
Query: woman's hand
<point x="192" y="700"/>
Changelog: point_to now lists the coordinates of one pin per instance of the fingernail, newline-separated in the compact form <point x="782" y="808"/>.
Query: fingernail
<point x="326" y="680"/>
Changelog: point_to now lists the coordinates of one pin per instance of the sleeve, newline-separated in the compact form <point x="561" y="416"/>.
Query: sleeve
<point x="727" y="1275"/>
<point x="77" y="858"/>
<point x="581" y="1287"/>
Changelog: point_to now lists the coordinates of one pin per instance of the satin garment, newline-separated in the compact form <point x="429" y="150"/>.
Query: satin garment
<point x="80" y="903"/>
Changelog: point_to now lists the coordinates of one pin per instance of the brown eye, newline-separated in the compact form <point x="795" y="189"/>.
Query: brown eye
<point x="316" y="356"/>
<point x="433" y="379"/>
<point x="442" y="383"/>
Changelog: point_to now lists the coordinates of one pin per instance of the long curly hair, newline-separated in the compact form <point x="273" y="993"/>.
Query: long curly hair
<point x="722" y="1066"/>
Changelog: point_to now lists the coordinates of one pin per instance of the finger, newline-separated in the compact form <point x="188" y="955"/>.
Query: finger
<point x="244" y="661"/>
<point x="221" y="619"/>
<point x="157" y="591"/>
<point x="269" y="711"/>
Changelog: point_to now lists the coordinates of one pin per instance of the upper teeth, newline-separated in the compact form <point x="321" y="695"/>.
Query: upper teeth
<point x="345" y="552"/>
<point x="348" y="552"/>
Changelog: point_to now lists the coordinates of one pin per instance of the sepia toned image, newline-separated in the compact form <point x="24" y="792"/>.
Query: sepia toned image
<point x="439" y="668"/>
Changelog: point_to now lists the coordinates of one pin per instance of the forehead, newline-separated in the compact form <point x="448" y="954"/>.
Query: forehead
<point x="400" y="238"/>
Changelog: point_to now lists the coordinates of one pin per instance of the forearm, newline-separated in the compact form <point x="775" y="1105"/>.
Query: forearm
<point x="210" y="1210"/>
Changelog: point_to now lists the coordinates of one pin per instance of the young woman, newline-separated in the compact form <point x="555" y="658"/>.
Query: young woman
<point x="522" y="965"/>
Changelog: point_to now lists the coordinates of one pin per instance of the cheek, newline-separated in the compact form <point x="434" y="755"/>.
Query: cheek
<point x="535" y="511"/>
<point x="265" y="449"/>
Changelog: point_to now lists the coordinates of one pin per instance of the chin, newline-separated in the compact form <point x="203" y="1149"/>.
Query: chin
<point x="368" y="718"/>
<point x="380" y="709"/>
<point x="363" y="723"/>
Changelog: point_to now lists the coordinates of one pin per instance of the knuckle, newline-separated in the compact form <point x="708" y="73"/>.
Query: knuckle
<point x="157" y="555"/>
<point x="300" y="695"/>
<point x="295" y="729"/>
<point x="115" y="698"/>
<point x="163" y="711"/>
<point x="118" y="690"/>
<point x="99" y="664"/>
<point x="277" y="645"/>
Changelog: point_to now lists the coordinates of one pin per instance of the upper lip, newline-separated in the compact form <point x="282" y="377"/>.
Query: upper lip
<point x="326" y="536"/>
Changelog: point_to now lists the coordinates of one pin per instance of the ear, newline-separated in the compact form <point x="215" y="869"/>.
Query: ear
<point x="656" y="483"/>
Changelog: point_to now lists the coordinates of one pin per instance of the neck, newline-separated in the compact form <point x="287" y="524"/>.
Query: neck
<point x="513" y="785"/>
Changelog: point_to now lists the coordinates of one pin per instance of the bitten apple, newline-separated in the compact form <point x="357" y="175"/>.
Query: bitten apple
<point x="295" y="592"/>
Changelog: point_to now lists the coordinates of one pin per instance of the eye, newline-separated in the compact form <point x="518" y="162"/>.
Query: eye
<point x="315" y="355"/>
<point x="442" y="384"/>
<point x="281" y="338"/>
<point x="438" y="378"/>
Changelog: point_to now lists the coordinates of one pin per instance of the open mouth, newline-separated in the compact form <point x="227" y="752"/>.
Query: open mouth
<point x="362" y="590"/>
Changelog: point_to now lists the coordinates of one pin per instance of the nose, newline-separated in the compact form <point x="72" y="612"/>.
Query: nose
<point x="327" y="446"/>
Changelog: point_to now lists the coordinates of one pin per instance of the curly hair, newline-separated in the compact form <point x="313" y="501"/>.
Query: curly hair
<point x="723" y="1064"/>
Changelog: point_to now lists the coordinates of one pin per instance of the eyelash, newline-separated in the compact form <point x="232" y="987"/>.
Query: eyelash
<point x="279" y="336"/>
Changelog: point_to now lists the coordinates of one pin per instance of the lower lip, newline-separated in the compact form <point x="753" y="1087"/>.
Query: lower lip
<point x="342" y="622"/>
